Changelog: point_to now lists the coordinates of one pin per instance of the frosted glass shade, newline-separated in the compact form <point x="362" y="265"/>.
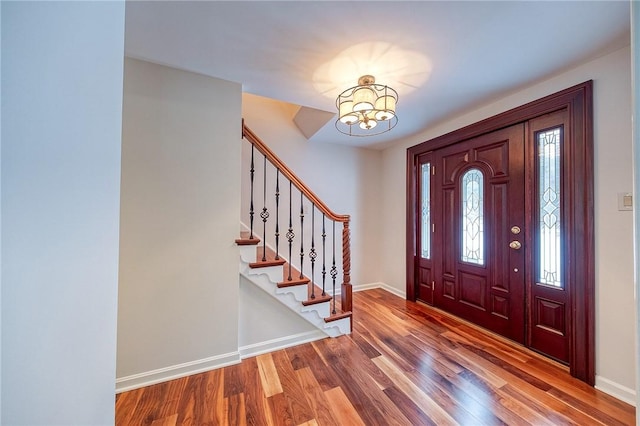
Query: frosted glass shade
<point x="386" y="106"/>
<point x="363" y="99"/>
<point x="347" y="116"/>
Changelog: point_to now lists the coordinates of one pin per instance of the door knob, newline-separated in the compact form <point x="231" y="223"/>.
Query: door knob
<point x="515" y="245"/>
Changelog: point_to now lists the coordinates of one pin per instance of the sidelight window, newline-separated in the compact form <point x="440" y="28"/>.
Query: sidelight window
<point x="472" y="217"/>
<point x="426" y="210"/>
<point x="549" y="213"/>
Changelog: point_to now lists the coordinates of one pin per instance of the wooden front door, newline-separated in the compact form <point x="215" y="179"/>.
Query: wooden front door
<point x="500" y="226"/>
<point x="478" y="215"/>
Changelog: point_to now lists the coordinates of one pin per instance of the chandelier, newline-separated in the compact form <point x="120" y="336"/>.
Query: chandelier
<point x="367" y="109"/>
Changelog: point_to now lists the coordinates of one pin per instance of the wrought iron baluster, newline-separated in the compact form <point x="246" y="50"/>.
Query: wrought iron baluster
<point x="251" y="173"/>
<point x="290" y="234"/>
<point x="312" y="252"/>
<point x="324" y="255"/>
<point x="301" y="236"/>
<point x="265" y="214"/>
<point x="334" y="270"/>
<point x="277" y="213"/>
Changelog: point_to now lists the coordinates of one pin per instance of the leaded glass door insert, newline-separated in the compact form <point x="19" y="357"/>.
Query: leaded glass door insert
<point x="549" y="213"/>
<point x="472" y="217"/>
<point x="424" y="272"/>
<point x="549" y="308"/>
<point x="425" y="210"/>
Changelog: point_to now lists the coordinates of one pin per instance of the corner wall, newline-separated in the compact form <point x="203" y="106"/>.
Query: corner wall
<point x="615" y="309"/>
<point x="62" y="110"/>
<point x="178" y="284"/>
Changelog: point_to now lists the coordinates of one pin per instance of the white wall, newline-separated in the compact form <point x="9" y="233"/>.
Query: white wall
<point x="635" y="85"/>
<point x="62" y="111"/>
<point x="615" y="309"/>
<point x="347" y="179"/>
<point x="178" y="288"/>
<point x="0" y="218"/>
<point x="265" y="324"/>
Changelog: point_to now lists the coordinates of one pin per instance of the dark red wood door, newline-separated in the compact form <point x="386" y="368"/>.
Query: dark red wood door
<point x="478" y="220"/>
<point x="510" y="229"/>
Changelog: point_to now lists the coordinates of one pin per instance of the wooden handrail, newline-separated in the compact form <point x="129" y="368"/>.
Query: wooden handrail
<point x="345" y="296"/>
<point x="264" y="149"/>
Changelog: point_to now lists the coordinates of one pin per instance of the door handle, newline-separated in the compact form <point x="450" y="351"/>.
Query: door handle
<point x="515" y="245"/>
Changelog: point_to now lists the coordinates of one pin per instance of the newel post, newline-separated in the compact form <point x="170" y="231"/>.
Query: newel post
<point x="346" y="268"/>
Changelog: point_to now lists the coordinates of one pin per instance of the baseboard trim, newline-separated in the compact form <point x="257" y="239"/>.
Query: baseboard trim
<point x="260" y="348"/>
<point x="386" y="287"/>
<point x="165" y="374"/>
<point x="616" y="390"/>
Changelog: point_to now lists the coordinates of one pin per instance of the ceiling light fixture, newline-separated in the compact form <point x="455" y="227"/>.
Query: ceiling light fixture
<point x="367" y="109"/>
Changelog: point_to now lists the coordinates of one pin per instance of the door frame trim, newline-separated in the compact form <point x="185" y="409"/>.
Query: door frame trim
<point x="578" y="101"/>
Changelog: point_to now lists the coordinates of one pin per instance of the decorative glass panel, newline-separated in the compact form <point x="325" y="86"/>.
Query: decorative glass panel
<point x="472" y="217"/>
<point x="426" y="211"/>
<point x="549" y="213"/>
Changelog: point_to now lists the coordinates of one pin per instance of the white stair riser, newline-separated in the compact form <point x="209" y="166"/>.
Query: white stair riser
<point x="267" y="278"/>
<point x="273" y="272"/>
<point x="323" y="308"/>
<point x="300" y="292"/>
<point x="341" y="326"/>
<point x="311" y="315"/>
<point x="247" y="253"/>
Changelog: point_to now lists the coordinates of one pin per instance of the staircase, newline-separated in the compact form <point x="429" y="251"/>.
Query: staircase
<point x="261" y="261"/>
<point x="299" y="294"/>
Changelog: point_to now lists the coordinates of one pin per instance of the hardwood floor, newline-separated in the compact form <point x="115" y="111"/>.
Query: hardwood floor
<point x="404" y="364"/>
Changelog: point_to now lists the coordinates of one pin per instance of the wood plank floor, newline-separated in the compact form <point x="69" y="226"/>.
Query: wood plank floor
<point x="404" y="364"/>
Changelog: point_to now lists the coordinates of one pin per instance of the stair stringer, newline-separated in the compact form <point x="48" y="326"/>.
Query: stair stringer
<point x="267" y="279"/>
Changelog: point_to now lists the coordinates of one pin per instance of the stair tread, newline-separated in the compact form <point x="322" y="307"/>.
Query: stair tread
<point x="246" y="240"/>
<point x="266" y="263"/>
<point x="293" y="282"/>
<point x="338" y="316"/>
<point x="270" y="257"/>
<point x="319" y="298"/>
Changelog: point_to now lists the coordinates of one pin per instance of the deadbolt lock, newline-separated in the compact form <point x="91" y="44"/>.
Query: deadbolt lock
<point x="515" y="230"/>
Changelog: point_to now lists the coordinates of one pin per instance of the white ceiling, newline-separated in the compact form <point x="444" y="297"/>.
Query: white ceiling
<point x="442" y="57"/>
